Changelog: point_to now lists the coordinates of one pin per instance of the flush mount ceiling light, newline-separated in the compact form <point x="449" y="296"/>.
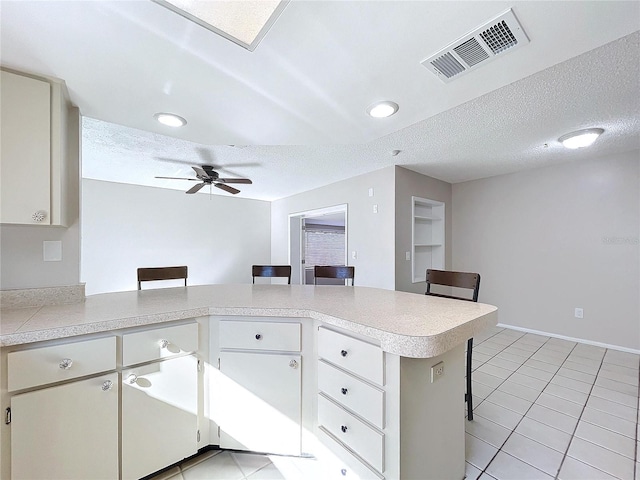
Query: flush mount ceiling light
<point x="581" y="138"/>
<point x="243" y="22"/>
<point x="382" y="109"/>
<point x="170" y="120"/>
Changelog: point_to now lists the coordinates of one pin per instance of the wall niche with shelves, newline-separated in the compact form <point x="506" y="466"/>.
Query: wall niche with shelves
<point x="427" y="237"/>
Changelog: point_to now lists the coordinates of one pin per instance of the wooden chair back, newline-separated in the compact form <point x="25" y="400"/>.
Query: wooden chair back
<point x="161" y="273"/>
<point x="453" y="279"/>
<point x="271" y="271"/>
<point x="334" y="271"/>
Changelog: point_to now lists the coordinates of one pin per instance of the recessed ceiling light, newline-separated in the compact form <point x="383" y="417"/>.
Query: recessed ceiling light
<point x="581" y="138"/>
<point x="382" y="109"/>
<point x="170" y="119"/>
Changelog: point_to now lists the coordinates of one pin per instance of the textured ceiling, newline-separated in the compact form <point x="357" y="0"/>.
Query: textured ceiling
<point x="297" y="104"/>
<point x="501" y="132"/>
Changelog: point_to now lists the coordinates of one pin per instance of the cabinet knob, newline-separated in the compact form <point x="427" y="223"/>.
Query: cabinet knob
<point x="258" y="336"/>
<point x="39" y="216"/>
<point x="344" y="391"/>
<point x="163" y="343"/>
<point x="107" y="385"/>
<point x="293" y="364"/>
<point x="343" y="428"/>
<point x="132" y="378"/>
<point x="66" y="363"/>
<point x="343" y="353"/>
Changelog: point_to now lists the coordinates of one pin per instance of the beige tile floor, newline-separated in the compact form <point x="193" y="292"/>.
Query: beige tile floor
<point x="544" y="408"/>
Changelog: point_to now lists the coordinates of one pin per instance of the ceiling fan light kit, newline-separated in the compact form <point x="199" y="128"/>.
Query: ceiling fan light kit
<point x="170" y="119"/>
<point x="581" y="138"/>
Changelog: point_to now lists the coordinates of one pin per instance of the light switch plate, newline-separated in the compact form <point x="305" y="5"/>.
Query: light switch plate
<point x="52" y="251"/>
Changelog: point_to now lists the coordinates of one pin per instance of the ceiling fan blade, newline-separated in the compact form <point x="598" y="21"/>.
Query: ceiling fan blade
<point x="195" y="188"/>
<point x="227" y="188"/>
<point x="200" y="172"/>
<point x="180" y="178"/>
<point x="235" y="180"/>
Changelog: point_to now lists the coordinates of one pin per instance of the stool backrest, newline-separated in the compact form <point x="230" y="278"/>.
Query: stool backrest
<point x="334" y="271"/>
<point x="161" y="273"/>
<point x="271" y="271"/>
<point x="453" y="279"/>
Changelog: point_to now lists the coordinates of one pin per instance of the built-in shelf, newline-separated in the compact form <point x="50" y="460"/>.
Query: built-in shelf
<point x="422" y="218"/>
<point x="427" y="237"/>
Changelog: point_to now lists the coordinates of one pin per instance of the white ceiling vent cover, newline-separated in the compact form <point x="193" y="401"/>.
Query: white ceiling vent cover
<point x="501" y="35"/>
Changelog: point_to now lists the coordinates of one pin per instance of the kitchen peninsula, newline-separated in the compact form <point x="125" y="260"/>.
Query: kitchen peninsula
<point x="363" y="387"/>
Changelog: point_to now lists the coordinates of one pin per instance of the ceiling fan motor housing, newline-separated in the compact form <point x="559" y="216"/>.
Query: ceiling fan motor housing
<point x="211" y="172"/>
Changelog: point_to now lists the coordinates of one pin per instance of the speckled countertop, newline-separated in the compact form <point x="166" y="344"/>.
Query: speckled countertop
<point x="406" y="324"/>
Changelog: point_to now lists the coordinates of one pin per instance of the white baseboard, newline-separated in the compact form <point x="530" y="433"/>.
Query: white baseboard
<point x="571" y="339"/>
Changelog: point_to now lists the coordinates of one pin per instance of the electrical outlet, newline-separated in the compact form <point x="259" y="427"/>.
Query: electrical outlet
<point x="437" y="371"/>
<point x="375" y="208"/>
<point x="407" y="256"/>
<point x="579" y="313"/>
<point x="371" y="192"/>
<point x="354" y="255"/>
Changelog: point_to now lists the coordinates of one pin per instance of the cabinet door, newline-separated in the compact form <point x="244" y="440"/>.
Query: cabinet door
<point x="260" y="407"/>
<point x="25" y="149"/>
<point x="66" y="432"/>
<point x="159" y="415"/>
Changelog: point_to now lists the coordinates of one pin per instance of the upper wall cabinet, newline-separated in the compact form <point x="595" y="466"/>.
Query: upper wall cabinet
<point x="427" y="239"/>
<point x="39" y="152"/>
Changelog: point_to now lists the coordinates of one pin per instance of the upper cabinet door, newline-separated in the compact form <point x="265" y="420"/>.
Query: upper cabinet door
<point x="25" y="152"/>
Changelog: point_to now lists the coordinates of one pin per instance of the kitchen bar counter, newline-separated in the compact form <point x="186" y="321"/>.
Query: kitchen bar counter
<point x="406" y="324"/>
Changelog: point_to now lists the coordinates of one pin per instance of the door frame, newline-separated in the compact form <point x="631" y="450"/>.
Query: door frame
<point x="296" y="237"/>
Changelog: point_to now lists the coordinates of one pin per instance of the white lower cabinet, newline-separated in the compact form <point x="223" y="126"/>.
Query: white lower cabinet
<point x="260" y="385"/>
<point x="261" y="404"/>
<point x="159" y="415"/>
<point x="66" y="432"/>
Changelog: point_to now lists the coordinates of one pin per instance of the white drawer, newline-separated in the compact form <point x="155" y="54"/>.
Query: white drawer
<point x="359" y="397"/>
<point x="359" y="357"/>
<point x="279" y="337"/>
<point x="157" y="343"/>
<point x="353" y="432"/>
<point x="39" y="366"/>
<point x="343" y="464"/>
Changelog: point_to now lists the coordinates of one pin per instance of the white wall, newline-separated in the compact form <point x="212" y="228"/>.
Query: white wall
<point x="125" y="227"/>
<point x="370" y="234"/>
<point x="22" y="264"/>
<point x="548" y="240"/>
<point x="408" y="184"/>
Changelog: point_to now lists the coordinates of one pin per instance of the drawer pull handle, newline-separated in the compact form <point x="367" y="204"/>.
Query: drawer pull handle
<point x="163" y="343"/>
<point x="344" y="391"/>
<point x="343" y="472"/>
<point x="293" y="364"/>
<point x="66" y="363"/>
<point x="343" y="428"/>
<point x="343" y="353"/>
<point x="132" y="378"/>
<point x="258" y="336"/>
<point x="107" y="385"/>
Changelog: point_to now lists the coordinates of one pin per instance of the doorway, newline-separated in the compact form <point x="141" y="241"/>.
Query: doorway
<point x="316" y="237"/>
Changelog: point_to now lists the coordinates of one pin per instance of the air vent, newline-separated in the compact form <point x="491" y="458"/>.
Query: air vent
<point x="447" y="65"/>
<point x="501" y="35"/>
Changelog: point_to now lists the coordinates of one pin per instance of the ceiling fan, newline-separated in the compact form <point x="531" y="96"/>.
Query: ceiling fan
<point x="208" y="176"/>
